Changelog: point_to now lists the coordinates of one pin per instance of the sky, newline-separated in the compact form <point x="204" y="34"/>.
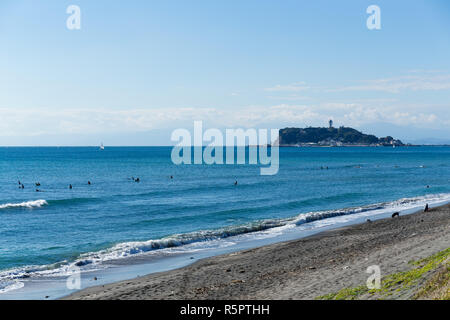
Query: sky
<point x="137" y="70"/>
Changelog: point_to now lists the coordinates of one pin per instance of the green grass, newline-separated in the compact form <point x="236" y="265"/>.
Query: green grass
<point x="397" y="282"/>
<point x="438" y="287"/>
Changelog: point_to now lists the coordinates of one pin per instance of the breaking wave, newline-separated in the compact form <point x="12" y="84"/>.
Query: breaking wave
<point x="26" y="204"/>
<point x="94" y="260"/>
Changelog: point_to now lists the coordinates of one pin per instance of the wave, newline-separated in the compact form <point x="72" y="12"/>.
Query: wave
<point x="39" y="203"/>
<point x="73" y="201"/>
<point x="26" y="204"/>
<point x="132" y="248"/>
<point x="94" y="260"/>
<point x="12" y="285"/>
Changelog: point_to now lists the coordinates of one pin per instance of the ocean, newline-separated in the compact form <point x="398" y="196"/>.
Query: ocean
<point x="163" y="222"/>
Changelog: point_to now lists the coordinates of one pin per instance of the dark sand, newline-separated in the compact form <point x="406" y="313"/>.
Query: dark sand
<point x="299" y="269"/>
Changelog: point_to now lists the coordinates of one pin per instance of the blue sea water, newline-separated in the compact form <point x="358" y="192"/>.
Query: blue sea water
<point x="44" y="233"/>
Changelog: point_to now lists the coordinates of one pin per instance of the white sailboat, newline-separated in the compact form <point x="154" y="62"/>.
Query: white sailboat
<point x="102" y="147"/>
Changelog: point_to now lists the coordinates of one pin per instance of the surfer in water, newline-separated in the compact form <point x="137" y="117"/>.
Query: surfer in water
<point x="235" y="183"/>
<point x="89" y="183"/>
<point x="70" y="186"/>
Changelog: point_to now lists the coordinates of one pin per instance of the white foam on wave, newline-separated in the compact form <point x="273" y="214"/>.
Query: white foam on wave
<point x="374" y="209"/>
<point x="10" y="286"/>
<point x="261" y="229"/>
<point x="26" y="204"/>
<point x="228" y="236"/>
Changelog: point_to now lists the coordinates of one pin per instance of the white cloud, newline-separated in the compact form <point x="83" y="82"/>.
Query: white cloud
<point x="415" y="80"/>
<point x="425" y="82"/>
<point x="292" y="97"/>
<point x="36" y="122"/>
<point x="33" y="121"/>
<point x="294" y="87"/>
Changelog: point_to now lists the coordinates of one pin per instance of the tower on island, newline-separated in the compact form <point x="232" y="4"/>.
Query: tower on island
<point x="331" y="123"/>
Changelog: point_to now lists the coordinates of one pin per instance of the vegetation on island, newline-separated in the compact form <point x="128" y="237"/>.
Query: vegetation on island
<point x="332" y="137"/>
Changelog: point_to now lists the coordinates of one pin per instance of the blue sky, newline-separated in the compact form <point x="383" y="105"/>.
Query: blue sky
<point x="137" y="70"/>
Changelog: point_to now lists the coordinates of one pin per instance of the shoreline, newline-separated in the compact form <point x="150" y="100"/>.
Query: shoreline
<point x="167" y="259"/>
<point x="297" y="269"/>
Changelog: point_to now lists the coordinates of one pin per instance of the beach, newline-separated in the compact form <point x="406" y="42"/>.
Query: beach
<point x="116" y="228"/>
<point x="224" y="150"/>
<point x="300" y="269"/>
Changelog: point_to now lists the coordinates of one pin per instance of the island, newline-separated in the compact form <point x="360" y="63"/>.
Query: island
<point x="332" y="137"/>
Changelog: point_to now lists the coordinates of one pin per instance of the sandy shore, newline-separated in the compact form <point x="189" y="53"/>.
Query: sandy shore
<point x="299" y="269"/>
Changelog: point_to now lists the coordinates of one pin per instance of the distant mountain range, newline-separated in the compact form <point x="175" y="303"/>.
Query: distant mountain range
<point x="342" y="136"/>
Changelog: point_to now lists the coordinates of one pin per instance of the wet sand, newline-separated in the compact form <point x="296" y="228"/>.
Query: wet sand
<point x="299" y="269"/>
